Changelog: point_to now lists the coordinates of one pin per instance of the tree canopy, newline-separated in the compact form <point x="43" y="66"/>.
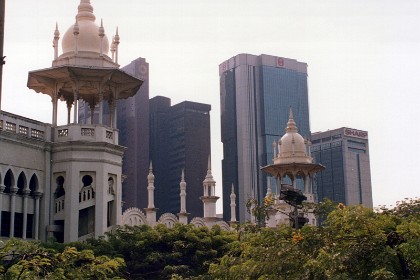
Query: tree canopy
<point x="352" y="243"/>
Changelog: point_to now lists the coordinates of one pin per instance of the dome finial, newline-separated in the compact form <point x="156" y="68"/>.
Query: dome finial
<point x="291" y="125"/>
<point x="85" y="11"/>
<point x="209" y="164"/>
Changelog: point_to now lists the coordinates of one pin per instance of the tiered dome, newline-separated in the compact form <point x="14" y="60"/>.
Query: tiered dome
<point x="88" y="38"/>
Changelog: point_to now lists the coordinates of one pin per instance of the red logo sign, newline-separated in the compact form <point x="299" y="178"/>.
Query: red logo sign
<point x="355" y="133"/>
<point x="280" y="62"/>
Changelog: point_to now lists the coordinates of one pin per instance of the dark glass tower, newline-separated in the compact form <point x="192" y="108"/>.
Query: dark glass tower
<point x="345" y="154"/>
<point x="256" y="93"/>
<point x="179" y="139"/>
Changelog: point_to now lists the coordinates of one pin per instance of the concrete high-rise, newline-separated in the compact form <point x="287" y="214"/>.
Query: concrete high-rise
<point x="256" y="93"/>
<point x="133" y="126"/>
<point x="179" y="139"/>
<point x="345" y="154"/>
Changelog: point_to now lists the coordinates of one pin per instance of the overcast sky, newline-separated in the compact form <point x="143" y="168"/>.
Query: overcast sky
<point x="363" y="63"/>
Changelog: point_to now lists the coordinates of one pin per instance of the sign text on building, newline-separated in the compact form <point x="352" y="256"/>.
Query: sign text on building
<point x="355" y="133"/>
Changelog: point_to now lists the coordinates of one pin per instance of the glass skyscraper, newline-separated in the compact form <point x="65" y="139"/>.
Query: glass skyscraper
<point x="345" y="154"/>
<point x="256" y="93"/>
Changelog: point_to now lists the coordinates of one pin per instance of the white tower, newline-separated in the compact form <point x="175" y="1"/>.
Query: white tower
<point x="183" y="215"/>
<point x="233" y="207"/>
<point x="86" y="159"/>
<point x="209" y="198"/>
<point x="151" y="210"/>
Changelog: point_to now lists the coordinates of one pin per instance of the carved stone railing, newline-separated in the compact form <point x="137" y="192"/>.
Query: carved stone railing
<point x="94" y="133"/>
<point x="23" y="126"/>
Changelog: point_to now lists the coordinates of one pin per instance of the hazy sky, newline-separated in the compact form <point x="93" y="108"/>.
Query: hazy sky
<point x="363" y="63"/>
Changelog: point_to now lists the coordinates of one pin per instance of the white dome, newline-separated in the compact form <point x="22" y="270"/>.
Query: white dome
<point x="292" y="145"/>
<point x="88" y="38"/>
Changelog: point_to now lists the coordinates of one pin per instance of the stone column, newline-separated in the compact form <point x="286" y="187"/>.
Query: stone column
<point x="101" y="106"/>
<point x="36" y="215"/>
<point x="68" y="111"/>
<point x="12" y="210"/>
<point x="54" y="101"/>
<point x="75" y="109"/>
<point x="25" y="212"/>
<point x="2" y="187"/>
<point x="92" y="112"/>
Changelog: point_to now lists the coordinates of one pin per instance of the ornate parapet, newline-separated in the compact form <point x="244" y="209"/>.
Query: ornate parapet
<point x="92" y="133"/>
<point x="133" y="217"/>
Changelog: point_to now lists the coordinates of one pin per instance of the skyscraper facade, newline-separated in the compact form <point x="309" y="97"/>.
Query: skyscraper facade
<point x="179" y="140"/>
<point x="256" y="93"/>
<point x="133" y="126"/>
<point x="345" y="154"/>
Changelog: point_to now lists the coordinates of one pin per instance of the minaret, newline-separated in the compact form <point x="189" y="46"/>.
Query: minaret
<point x="183" y="215"/>
<point x="233" y="207"/>
<point x="116" y="43"/>
<point x="101" y="35"/>
<point x="151" y="210"/>
<point x="209" y="198"/>
<point x="55" y="41"/>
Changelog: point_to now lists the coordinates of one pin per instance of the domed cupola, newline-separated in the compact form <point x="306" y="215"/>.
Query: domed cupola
<point x="86" y="41"/>
<point x="292" y="146"/>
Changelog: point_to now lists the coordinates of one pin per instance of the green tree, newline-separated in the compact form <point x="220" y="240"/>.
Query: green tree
<point x="354" y="243"/>
<point x="28" y="260"/>
<point x="160" y="252"/>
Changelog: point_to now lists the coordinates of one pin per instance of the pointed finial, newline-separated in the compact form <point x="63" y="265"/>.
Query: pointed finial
<point x="101" y="30"/>
<point x="56" y="32"/>
<point x="117" y="37"/>
<point x="291" y="125"/>
<point x="232" y="193"/>
<point x="150" y="167"/>
<point x="209" y="164"/>
<point x="182" y="175"/>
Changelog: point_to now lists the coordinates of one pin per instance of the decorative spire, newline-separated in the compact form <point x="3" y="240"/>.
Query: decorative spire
<point x="101" y="35"/>
<point x="85" y="11"/>
<point x="183" y="193"/>
<point x="209" y="165"/>
<point x="232" y="205"/>
<point x="116" y="42"/>
<point x="55" y="41"/>
<point x="101" y="29"/>
<point x="291" y="125"/>
<point x="150" y="177"/>
<point x="151" y="188"/>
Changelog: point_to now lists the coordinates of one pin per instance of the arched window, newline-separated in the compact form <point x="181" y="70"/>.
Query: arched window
<point x="33" y="185"/>
<point x="21" y="183"/>
<point x="9" y="181"/>
<point x="59" y="191"/>
<point x="87" y="180"/>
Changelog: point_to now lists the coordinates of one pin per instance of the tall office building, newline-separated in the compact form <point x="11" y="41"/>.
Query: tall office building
<point x="345" y="154"/>
<point x="133" y="126"/>
<point x="179" y="139"/>
<point x="256" y="93"/>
